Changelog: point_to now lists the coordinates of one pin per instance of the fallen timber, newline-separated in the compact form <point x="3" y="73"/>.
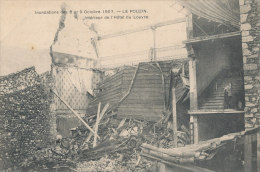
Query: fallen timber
<point x="75" y="113"/>
<point x="206" y="151"/>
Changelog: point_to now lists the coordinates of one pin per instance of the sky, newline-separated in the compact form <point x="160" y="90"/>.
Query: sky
<point x="25" y="37"/>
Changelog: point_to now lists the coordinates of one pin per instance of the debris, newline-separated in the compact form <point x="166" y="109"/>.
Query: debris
<point x="101" y="116"/>
<point x="96" y="126"/>
<point x="75" y="113"/>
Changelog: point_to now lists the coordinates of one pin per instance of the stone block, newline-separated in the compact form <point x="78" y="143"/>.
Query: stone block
<point x="247" y="87"/>
<point x="248" y="1"/>
<point x="244" y="59"/>
<point x="245" y="8"/>
<point x="256" y="49"/>
<point x="246" y="52"/>
<point x="247" y="125"/>
<point x="244" y="45"/>
<point x="249" y="104"/>
<point x="245" y="33"/>
<point x="253" y="120"/>
<point x="248" y="78"/>
<point x="250" y="66"/>
<point x="245" y="26"/>
<point x="249" y="115"/>
<point x="247" y="39"/>
<point x="257" y="78"/>
<point x="243" y="18"/>
<point x="254" y="110"/>
<point x="257" y="115"/>
<point x="253" y="56"/>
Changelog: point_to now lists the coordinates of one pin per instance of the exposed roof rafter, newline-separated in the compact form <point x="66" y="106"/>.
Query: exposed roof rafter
<point x="212" y="37"/>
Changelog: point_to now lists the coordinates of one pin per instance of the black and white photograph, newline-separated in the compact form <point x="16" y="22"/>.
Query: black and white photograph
<point x="130" y="86"/>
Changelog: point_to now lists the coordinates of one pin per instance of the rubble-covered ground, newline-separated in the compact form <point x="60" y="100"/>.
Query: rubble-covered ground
<point x="118" y="148"/>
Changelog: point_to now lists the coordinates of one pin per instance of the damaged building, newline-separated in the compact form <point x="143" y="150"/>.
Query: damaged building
<point x="189" y="104"/>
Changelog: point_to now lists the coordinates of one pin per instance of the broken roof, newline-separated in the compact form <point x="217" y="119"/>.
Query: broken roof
<point x="222" y="11"/>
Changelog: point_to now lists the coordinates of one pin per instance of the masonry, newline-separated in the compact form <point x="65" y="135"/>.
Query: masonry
<point x="24" y="119"/>
<point x="250" y="29"/>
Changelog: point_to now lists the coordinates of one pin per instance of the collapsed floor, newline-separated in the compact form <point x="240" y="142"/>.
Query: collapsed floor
<point x="117" y="148"/>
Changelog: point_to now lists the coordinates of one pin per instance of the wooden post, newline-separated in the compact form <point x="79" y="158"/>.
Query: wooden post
<point x="154" y="42"/>
<point x="96" y="127"/>
<point x="75" y="113"/>
<point x="162" y="167"/>
<point x="189" y="26"/>
<point x="196" y="129"/>
<point x="174" y="116"/>
<point x="193" y="100"/>
<point x="191" y="131"/>
<point x="258" y="149"/>
<point x="193" y="85"/>
<point x="248" y="153"/>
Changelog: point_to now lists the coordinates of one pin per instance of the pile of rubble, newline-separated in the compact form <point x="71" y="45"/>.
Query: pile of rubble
<point x="117" y="148"/>
<point x="24" y="118"/>
<point x="104" y="142"/>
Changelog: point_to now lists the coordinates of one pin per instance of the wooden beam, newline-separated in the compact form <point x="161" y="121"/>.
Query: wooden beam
<point x="258" y="149"/>
<point x="189" y="26"/>
<point x="162" y="167"/>
<point x="75" y="113"/>
<point x="174" y="116"/>
<point x="212" y="37"/>
<point x="214" y="111"/>
<point x="130" y="31"/>
<point x="193" y="85"/>
<point x="154" y="44"/>
<point x="100" y="117"/>
<point x="96" y="126"/>
<point x="179" y="167"/>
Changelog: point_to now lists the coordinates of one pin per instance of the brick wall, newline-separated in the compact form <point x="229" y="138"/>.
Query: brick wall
<point x="250" y="29"/>
<point x="24" y="117"/>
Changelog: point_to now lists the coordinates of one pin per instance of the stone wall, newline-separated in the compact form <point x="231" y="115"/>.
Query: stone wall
<point x="250" y="29"/>
<point x="24" y="117"/>
<point x="48" y="84"/>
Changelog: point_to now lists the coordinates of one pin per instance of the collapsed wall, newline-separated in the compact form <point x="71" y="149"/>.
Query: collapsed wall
<point x="250" y="28"/>
<point x="24" y="117"/>
<point x="74" y="59"/>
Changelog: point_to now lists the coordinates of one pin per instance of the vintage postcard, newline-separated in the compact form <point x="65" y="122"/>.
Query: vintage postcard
<point x="159" y="85"/>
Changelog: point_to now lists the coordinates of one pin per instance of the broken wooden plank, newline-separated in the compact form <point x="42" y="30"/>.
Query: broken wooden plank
<point x="174" y="117"/>
<point x="75" y="113"/>
<point x="122" y="122"/>
<point x="191" y="168"/>
<point x="100" y="118"/>
<point x="214" y="111"/>
<point x="96" y="126"/>
<point x="212" y="37"/>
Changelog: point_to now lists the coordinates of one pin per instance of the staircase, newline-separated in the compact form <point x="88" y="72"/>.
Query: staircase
<point x="214" y="98"/>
